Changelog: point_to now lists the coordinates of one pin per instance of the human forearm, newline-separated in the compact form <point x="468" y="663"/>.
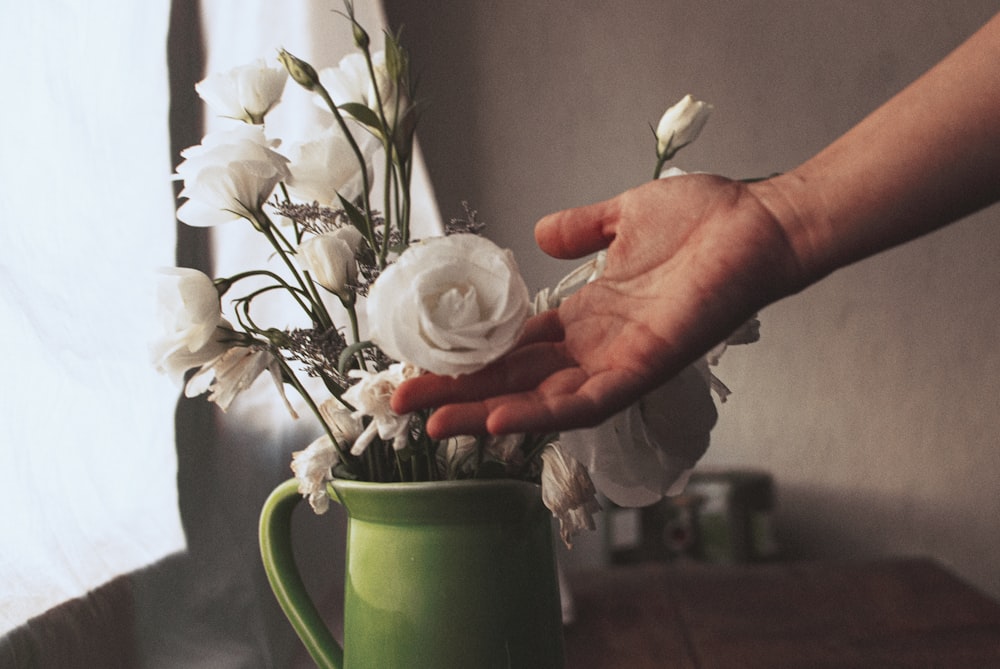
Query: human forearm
<point x="927" y="157"/>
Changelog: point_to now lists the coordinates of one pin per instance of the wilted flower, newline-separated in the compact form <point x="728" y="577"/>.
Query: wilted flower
<point x="450" y="305"/>
<point x="646" y="451"/>
<point x="191" y="322"/>
<point x="313" y="468"/>
<point x="680" y="125"/>
<point x="370" y="396"/>
<point x="229" y="176"/>
<point x="233" y="372"/>
<point x="568" y="492"/>
<point x="245" y="93"/>
<point x="331" y="258"/>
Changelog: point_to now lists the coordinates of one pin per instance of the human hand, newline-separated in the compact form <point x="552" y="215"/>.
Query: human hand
<point x="689" y="259"/>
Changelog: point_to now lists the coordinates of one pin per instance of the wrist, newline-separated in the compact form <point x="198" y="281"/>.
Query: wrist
<point x="786" y="198"/>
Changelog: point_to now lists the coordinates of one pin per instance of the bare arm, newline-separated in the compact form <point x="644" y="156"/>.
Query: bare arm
<point x="690" y="258"/>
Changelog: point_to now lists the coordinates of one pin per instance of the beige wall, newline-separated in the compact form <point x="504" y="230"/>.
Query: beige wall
<point x="872" y="396"/>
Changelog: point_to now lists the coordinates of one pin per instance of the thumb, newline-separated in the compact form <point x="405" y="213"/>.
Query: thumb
<point x="574" y="233"/>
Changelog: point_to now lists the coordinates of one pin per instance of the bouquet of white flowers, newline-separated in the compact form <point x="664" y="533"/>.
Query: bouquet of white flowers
<point x="448" y="305"/>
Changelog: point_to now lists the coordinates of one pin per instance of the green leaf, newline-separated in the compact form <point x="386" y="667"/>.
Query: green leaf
<point x="348" y="354"/>
<point x="362" y="113"/>
<point x="358" y="219"/>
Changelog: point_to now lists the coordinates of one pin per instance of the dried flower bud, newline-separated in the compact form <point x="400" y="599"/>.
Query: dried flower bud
<point x="299" y="70"/>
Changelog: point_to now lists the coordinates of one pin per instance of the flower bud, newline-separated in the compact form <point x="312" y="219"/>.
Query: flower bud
<point x="299" y="70"/>
<point x="680" y="125"/>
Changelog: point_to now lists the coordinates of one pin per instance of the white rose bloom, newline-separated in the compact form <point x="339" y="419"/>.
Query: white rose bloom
<point x="370" y="396"/>
<point x="450" y="305"/>
<point x="312" y="468"/>
<point x="647" y="451"/>
<point x="229" y="176"/>
<point x="568" y="492"/>
<point x="680" y="125"/>
<point x="330" y="258"/>
<point x="190" y="319"/>
<point x="245" y="93"/>
<point x="323" y="167"/>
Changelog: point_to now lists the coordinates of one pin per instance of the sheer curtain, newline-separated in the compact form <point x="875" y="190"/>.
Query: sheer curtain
<point x="87" y="459"/>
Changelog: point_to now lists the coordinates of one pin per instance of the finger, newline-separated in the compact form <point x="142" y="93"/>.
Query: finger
<point x="458" y="419"/>
<point x="574" y="233"/>
<point x="520" y="370"/>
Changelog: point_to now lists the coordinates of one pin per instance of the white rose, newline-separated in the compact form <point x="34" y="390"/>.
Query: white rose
<point x="229" y="176"/>
<point x="680" y="125"/>
<point x="449" y="305"/>
<point x="331" y="258"/>
<point x="245" y="93"/>
<point x="190" y="319"/>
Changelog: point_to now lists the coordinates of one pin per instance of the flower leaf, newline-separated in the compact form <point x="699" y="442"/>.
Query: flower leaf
<point x="357" y="218"/>
<point x="349" y="352"/>
<point x="362" y="114"/>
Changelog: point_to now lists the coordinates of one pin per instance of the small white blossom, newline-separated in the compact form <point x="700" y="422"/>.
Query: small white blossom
<point x="191" y="323"/>
<point x="313" y="468"/>
<point x="568" y="492"/>
<point x="680" y="125"/>
<point x="245" y="93"/>
<point x="370" y="396"/>
<point x="229" y="176"/>
<point x="331" y="257"/>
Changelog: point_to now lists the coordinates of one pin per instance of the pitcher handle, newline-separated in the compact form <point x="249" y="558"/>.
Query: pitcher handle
<point x="286" y="582"/>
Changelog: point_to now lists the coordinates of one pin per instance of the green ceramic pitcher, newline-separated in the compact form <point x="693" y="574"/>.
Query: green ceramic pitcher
<point x="440" y="575"/>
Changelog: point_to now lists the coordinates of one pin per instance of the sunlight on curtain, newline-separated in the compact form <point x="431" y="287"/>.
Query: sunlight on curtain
<point x="87" y="459"/>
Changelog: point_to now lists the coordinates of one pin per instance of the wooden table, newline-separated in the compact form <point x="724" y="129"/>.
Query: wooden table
<point x="888" y="614"/>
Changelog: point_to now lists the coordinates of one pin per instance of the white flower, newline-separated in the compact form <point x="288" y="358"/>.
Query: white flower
<point x="370" y="396"/>
<point x="568" y="492"/>
<point x="331" y="258"/>
<point x="680" y="125"/>
<point x="233" y="372"/>
<point x="323" y="167"/>
<point x="245" y="93"/>
<point x="646" y="451"/>
<point x="450" y="305"/>
<point x="456" y="455"/>
<point x="547" y="299"/>
<point x="313" y="468"/>
<point x="191" y="322"/>
<point x="671" y="172"/>
<point x="229" y="176"/>
<point x="351" y="82"/>
<point x="345" y="426"/>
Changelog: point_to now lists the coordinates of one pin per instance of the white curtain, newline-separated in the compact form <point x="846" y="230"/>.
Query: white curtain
<point x="87" y="459"/>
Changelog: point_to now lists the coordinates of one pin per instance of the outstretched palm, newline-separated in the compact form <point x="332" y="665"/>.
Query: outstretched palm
<point x="689" y="259"/>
